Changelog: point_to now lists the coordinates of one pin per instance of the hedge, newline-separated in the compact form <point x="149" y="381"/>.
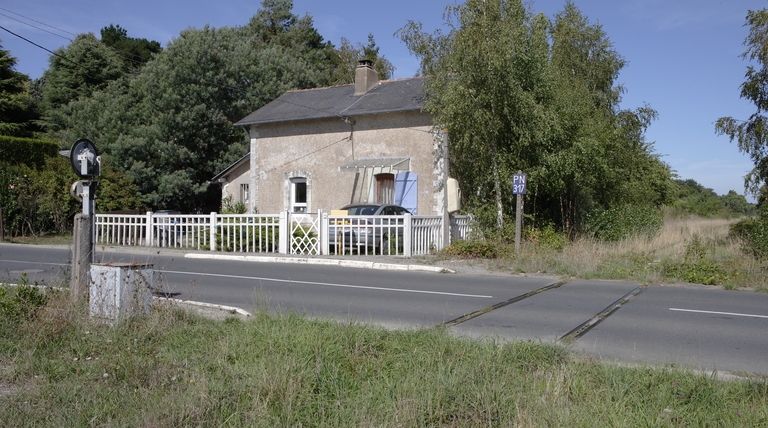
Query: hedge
<point x="27" y="151"/>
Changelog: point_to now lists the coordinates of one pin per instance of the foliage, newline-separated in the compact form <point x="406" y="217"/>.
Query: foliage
<point x="698" y="266"/>
<point x="173" y="368"/>
<point x="134" y="52"/>
<point x="751" y="135"/>
<point x="27" y="151"/>
<point x="86" y="65"/>
<point x="693" y="198"/>
<point x="546" y="237"/>
<point x="169" y="125"/>
<point x="228" y="207"/>
<point x="624" y="221"/>
<point x="753" y="233"/>
<point x="737" y="203"/>
<point x="16" y="107"/>
<point x="472" y="249"/>
<point x="116" y="191"/>
<point x="20" y="303"/>
<point x="348" y="56"/>
<point x="520" y="92"/>
<point x="37" y="201"/>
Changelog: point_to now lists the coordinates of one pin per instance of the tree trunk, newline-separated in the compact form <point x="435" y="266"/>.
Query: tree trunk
<point x="497" y="186"/>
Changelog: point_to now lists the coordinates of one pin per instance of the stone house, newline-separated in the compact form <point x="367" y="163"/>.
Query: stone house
<point x="368" y="142"/>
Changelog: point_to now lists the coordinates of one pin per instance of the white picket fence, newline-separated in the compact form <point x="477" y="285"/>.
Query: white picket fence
<point x="285" y="233"/>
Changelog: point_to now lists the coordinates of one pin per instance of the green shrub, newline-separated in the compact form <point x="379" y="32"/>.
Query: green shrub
<point x="546" y="237"/>
<point x="623" y="222"/>
<point x="229" y="207"/>
<point x="753" y="233"/>
<point x="472" y="249"/>
<point x="26" y="151"/>
<point x="20" y="303"/>
<point x="700" y="272"/>
<point x="698" y="267"/>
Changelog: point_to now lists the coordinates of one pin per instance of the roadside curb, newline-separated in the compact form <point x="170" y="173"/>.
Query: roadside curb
<point x="230" y="309"/>
<point x="323" y="262"/>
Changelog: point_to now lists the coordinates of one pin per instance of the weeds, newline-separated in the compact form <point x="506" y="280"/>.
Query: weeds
<point x="689" y="249"/>
<point x="21" y="302"/>
<point x="472" y="249"/>
<point x="754" y="236"/>
<point x="172" y="368"/>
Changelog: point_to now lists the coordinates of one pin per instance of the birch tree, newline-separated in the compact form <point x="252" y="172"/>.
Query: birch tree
<point x="489" y="85"/>
<point x="751" y="134"/>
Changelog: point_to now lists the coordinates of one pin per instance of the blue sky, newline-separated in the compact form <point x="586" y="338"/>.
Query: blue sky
<point x="683" y="55"/>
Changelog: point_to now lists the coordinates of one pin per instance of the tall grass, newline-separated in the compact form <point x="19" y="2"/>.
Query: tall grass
<point x="664" y="257"/>
<point x="173" y="368"/>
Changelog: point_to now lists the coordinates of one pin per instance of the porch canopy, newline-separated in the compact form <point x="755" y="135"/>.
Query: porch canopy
<point x="382" y="165"/>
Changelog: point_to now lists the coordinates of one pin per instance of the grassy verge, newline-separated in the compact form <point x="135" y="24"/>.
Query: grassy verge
<point x="173" y="368"/>
<point x="688" y="249"/>
<point x="41" y="240"/>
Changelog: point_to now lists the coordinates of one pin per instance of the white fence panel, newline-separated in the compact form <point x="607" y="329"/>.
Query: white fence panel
<point x="461" y="226"/>
<point x="427" y="235"/>
<point x="305" y="233"/>
<point x="120" y="229"/>
<point x="188" y="231"/>
<point x="288" y="233"/>
<point x="363" y="234"/>
<point x="250" y="233"/>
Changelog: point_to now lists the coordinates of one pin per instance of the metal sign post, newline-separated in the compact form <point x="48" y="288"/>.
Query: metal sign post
<point x="86" y="163"/>
<point x="518" y="188"/>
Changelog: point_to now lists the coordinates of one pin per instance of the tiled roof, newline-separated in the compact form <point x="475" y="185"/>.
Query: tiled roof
<point x="338" y="101"/>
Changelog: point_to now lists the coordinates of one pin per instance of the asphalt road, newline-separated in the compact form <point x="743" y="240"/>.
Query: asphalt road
<point x="696" y="326"/>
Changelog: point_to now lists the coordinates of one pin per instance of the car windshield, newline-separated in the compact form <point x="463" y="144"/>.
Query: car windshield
<point x="361" y="210"/>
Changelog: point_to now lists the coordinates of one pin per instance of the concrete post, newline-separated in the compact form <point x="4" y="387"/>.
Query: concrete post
<point x="82" y="254"/>
<point x="284" y="241"/>
<point x="212" y="236"/>
<point x="407" y="234"/>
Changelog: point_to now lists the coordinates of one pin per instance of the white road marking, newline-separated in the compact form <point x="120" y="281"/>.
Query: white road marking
<point x="35" y="263"/>
<point x="719" y="313"/>
<point x="400" y="290"/>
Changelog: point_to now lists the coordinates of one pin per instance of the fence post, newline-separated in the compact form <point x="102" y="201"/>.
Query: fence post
<point x="2" y="229"/>
<point x="407" y="235"/>
<point x="324" y="246"/>
<point x="320" y="232"/>
<point x="285" y="234"/>
<point x="212" y="232"/>
<point x="149" y="231"/>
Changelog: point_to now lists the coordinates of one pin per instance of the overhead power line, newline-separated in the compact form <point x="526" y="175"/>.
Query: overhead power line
<point x="41" y="47"/>
<point x="39" y="22"/>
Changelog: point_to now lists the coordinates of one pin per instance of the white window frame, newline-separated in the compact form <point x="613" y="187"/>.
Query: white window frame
<point x="244" y="192"/>
<point x="290" y="180"/>
<point x="296" y="184"/>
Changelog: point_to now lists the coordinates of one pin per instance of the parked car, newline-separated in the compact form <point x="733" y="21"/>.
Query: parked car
<point x="365" y="232"/>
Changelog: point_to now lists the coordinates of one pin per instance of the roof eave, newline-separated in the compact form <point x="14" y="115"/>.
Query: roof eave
<point x="367" y="113"/>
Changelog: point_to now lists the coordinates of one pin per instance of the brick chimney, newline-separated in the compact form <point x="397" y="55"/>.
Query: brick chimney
<point x="365" y="77"/>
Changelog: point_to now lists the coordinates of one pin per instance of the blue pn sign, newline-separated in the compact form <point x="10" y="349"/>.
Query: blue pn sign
<point x="518" y="184"/>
